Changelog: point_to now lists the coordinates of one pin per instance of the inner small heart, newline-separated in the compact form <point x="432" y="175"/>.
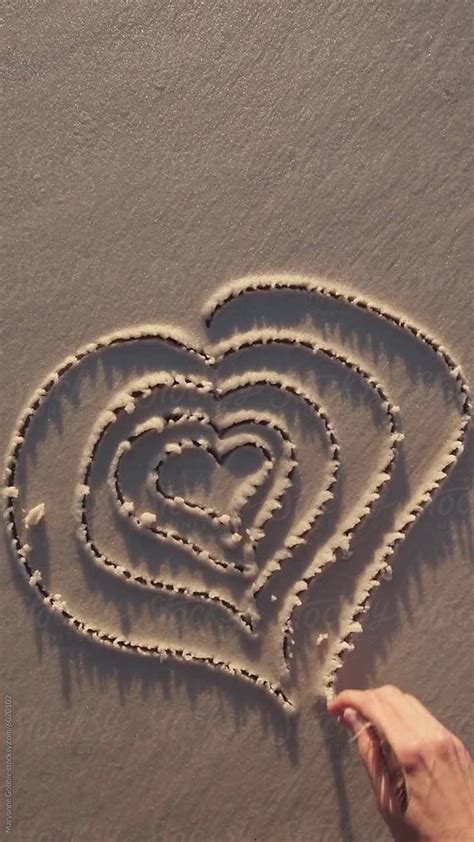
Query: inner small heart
<point x="216" y="480"/>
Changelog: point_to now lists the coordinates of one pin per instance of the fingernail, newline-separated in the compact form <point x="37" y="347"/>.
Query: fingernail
<point x="352" y="720"/>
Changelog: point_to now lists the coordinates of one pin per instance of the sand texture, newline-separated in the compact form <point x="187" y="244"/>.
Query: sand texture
<point x="236" y="414"/>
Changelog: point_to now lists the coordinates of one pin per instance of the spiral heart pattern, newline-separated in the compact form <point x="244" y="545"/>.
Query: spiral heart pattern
<point x="301" y="401"/>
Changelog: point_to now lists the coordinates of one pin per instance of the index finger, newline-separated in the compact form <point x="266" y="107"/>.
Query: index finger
<point x="378" y="707"/>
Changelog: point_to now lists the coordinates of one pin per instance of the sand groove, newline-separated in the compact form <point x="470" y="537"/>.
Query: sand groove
<point x="259" y="283"/>
<point x="275" y="477"/>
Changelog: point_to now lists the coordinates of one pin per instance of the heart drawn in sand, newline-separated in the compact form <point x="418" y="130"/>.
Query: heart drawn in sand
<point x="253" y="550"/>
<point x="229" y="521"/>
<point x="207" y="414"/>
<point x="219" y="445"/>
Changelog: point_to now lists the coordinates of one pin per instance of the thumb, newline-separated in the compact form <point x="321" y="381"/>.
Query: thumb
<point x="367" y="745"/>
<point x="354" y="721"/>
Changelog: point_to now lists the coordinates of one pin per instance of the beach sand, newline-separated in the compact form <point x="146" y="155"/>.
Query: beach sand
<point x="158" y="158"/>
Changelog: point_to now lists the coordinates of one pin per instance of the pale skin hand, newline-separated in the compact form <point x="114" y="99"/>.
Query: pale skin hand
<point x="438" y="769"/>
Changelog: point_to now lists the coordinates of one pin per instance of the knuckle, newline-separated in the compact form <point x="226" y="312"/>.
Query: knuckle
<point x="412" y="756"/>
<point x="410" y="698"/>
<point x="388" y="690"/>
<point x="446" y="746"/>
<point x="460" y="752"/>
<point x="420" y="753"/>
<point x="460" y="747"/>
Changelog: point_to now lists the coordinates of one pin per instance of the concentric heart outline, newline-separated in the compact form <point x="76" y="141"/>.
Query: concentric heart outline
<point x="123" y="404"/>
<point x="288" y="460"/>
<point x="219" y="452"/>
<point x="231" y="291"/>
<point x="307" y="284"/>
<point x="219" y="456"/>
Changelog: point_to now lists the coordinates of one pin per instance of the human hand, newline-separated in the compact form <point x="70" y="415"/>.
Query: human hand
<point x="437" y="768"/>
